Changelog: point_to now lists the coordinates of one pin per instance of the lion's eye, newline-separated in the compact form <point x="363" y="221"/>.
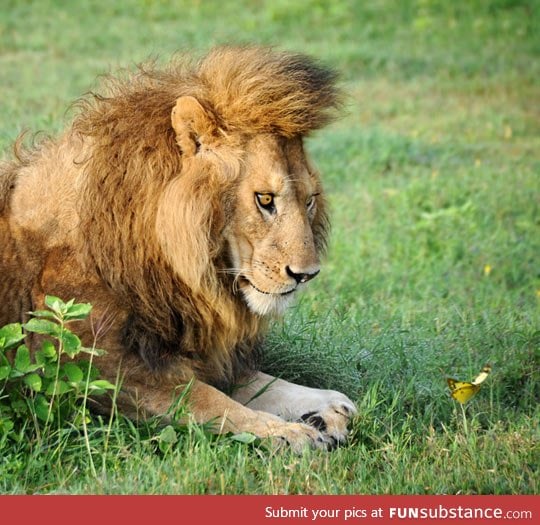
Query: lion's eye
<point x="266" y="201"/>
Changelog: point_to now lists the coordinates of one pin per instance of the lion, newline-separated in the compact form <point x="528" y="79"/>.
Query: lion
<point x="182" y="205"/>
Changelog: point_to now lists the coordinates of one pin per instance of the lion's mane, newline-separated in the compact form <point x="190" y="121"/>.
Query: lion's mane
<point x="130" y="160"/>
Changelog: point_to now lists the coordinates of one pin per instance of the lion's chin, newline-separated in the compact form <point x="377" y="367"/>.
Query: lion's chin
<point x="264" y="303"/>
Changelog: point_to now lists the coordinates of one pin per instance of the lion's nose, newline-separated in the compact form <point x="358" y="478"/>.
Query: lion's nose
<point x="300" y="277"/>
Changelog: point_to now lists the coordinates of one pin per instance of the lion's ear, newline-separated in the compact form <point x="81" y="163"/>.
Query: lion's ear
<point x="191" y="122"/>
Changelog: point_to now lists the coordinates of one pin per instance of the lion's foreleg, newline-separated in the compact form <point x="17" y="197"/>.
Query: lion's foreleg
<point x="209" y="405"/>
<point x="196" y="401"/>
<point x="327" y="410"/>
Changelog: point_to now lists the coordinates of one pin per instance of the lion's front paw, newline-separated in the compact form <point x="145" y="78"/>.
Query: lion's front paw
<point x="295" y="435"/>
<point x="327" y="411"/>
<point x="299" y="436"/>
<point x="332" y="417"/>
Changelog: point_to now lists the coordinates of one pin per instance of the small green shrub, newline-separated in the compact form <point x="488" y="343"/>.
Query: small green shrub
<point x="47" y="389"/>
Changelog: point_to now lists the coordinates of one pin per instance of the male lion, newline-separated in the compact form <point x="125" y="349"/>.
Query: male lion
<point x="182" y="206"/>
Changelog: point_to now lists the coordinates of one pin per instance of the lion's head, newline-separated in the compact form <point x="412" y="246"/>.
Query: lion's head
<point x="202" y="198"/>
<point x="265" y="205"/>
<point x="276" y="234"/>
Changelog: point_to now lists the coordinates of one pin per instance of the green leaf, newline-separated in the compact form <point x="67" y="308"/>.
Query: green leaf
<point x="41" y="407"/>
<point x="23" y="363"/>
<point x="73" y="372"/>
<point x="43" y="313"/>
<point x="40" y="358"/>
<point x="49" y="351"/>
<point x="100" y="386"/>
<point x="4" y="371"/>
<point x="78" y="311"/>
<point x="102" y="383"/>
<point x="49" y="370"/>
<point x="81" y="417"/>
<point x="168" y="435"/>
<point x="167" y="438"/>
<point x="57" y="388"/>
<point x="89" y="371"/>
<point x="19" y="406"/>
<point x="96" y="352"/>
<point x="42" y="326"/>
<point x="55" y="304"/>
<point x="33" y="381"/>
<point x="71" y="343"/>
<point x="244" y="437"/>
<point x="22" y="359"/>
<point x="11" y="335"/>
<point x="6" y="425"/>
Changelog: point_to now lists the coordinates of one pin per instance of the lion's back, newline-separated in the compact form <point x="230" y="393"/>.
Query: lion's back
<point x="33" y="204"/>
<point x="11" y="265"/>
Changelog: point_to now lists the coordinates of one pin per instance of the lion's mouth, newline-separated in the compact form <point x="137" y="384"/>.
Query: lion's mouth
<point x="245" y="280"/>
<point x="264" y="302"/>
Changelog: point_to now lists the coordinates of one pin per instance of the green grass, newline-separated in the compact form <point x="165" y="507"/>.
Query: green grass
<point x="433" y="176"/>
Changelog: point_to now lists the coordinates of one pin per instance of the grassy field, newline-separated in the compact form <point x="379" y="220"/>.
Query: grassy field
<point x="433" y="176"/>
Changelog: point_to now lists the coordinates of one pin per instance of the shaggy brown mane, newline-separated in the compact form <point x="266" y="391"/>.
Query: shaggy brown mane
<point x="134" y="155"/>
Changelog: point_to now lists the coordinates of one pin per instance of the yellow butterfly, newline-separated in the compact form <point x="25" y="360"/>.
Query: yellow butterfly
<point x="463" y="391"/>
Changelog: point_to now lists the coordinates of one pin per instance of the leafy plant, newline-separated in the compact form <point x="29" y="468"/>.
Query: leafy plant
<point x="49" y="386"/>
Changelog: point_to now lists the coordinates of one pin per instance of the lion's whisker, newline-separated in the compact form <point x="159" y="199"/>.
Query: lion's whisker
<point x="233" y="271"/>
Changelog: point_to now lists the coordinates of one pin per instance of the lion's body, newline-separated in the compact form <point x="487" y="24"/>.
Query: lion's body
<point x="153" y="207"/>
